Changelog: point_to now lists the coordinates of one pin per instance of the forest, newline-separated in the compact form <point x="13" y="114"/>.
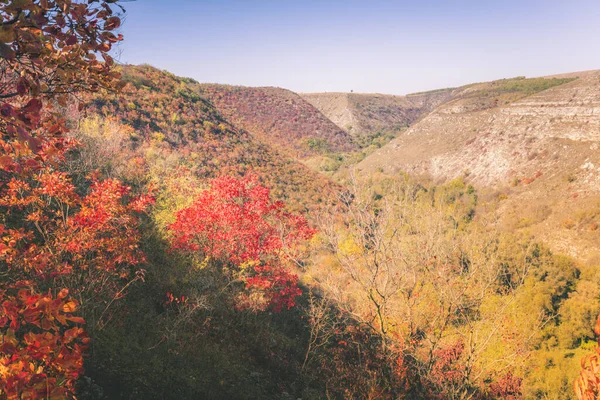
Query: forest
<point x="152" y="248"/>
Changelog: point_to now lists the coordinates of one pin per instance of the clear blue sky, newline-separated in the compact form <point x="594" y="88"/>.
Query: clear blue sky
<point x="367" y="46"/>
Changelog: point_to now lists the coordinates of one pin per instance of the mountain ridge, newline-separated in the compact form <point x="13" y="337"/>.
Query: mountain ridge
<point x="165" y="122"/>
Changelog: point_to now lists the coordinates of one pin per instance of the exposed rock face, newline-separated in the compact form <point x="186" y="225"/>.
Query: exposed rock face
<point x="540" y="151"/>
<point x="335" y="106"/>
<point x="545" y="133"/>
<point x="570" y="111"/>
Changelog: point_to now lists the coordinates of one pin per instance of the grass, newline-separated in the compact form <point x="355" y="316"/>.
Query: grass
<point x="527" y="86"/>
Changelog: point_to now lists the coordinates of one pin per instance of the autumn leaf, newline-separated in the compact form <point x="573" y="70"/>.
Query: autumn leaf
<point x="112" y="23"/>
<point x="69" y="307"/>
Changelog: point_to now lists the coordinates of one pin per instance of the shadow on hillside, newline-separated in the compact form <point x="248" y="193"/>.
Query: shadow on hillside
<point x="151" y="350"/>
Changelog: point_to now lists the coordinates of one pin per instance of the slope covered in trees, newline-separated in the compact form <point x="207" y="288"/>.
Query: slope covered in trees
<point x="164" y="125"/>
<point x="281" y="118"/>
<point x="429" y="270"/>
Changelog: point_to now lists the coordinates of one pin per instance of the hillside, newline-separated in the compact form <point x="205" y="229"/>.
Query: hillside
<point x="279" y="118"/>
<point x="533" y="140"/>
<point x="369" y="115"/>
<point x="167" y="123"/>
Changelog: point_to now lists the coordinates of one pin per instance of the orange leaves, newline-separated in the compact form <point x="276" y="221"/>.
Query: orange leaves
<point x="63" y="294"/>
<point x="597" y="329"/>
<point x="57" y="185"/>
<point x="587" y="386"/>
<point x="69" y="307"/>
<point x="51" y="49"/>
<point x="63" y="231"/>
<point x="48" y="230"/>
<point x="38" y="365"/>
<point x="5" y="161"/>
<point x="39" y="310"/>
<point x="112" y="23"/>
<point x="141" y="203"/>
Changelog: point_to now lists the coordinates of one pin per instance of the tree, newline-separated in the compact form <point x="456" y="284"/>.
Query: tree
<point x="50" y="50"/>
<point x="56" y="240"/>
<point x="235" y="223"/>
<point x="412" y="266"/>
<point x="52" y="234"/>
<point x="58" y="243"/>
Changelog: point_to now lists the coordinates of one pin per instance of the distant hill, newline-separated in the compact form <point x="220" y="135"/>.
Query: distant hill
<point x="496" y="130"/>
<point x="367" y="115"/>
<point x="279" y="118"/>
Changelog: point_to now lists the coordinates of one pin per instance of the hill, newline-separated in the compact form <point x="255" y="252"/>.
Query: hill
<point x="279" y="118"/>
<point x="534" y="141"/>
<point x="367" y="116"/>
<point x="167" y="125"/>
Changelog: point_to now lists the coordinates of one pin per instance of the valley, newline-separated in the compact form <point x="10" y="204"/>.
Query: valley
<point x="529" y="144"/>
<point x="502" y="174"/>
<point x="168" y="238"/>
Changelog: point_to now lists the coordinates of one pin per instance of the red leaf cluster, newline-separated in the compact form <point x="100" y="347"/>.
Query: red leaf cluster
<point x="41" y="348"/>
<point x="64" y="232"/>
<point x="235" y="221"/>
<point x="507" y="387"/>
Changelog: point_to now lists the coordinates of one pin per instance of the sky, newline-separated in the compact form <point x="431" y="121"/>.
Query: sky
<point x="370" y="46"/>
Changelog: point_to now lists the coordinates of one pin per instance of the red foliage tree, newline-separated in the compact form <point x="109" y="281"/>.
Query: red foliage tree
<point x="61" y="233"/>
<point x="53" y="236"/>
<point x="507" y="387"/>
<point x="446" y="378"/>
<point x="236" y="222"/>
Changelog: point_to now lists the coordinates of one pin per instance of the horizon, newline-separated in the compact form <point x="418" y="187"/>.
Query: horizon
<point x="381" y="47"/>
<point x="367" y="93"/>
